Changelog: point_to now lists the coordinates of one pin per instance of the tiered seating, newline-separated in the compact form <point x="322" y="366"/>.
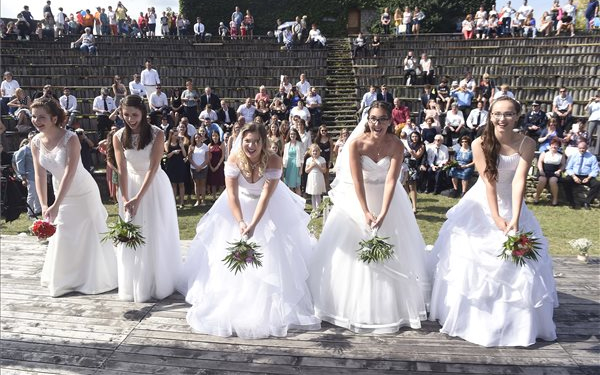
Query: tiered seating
<point x="234" y="69"/>
<point x="533" y="68"/>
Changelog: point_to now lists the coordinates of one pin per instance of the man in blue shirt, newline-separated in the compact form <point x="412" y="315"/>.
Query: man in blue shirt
<point x="582" y="169"/>
<point x="464" y="98"/>
<point x="24" y="168"/>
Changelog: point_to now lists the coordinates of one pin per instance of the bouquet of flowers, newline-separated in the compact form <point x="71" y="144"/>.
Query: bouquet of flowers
<point x="241" y="254"/>
<point x="449" y="165"/>
<point x="581" y="245"/>
<point x="42" y="229"/>
<point x="124" y="232"/>
<point x="376" y="249"/>
<point x="520" y="246"/>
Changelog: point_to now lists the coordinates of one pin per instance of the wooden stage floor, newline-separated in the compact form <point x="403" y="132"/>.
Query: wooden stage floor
<point x="79" y="334"/>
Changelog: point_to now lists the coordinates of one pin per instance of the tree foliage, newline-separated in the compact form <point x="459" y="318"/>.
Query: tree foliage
<point x="330" y="15"/>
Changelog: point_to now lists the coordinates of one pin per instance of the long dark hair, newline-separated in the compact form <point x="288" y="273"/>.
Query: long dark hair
<point x="387" y="107"/>
<point x="490" y="144"/>
<point x="137" y="102"/>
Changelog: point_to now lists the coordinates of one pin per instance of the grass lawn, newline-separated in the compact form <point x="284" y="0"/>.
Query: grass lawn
<point x="560" y="224"/>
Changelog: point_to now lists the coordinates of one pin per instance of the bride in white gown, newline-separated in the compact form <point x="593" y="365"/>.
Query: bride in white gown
<point x="76" y="260"/>
<point x="376" y="297"/>
<point x="258" y="302"/>
<point x="477" y="295"/>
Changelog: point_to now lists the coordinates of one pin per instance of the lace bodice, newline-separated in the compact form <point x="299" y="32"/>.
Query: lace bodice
<point x="138" y="161"/>
<point x="55" y="160"/>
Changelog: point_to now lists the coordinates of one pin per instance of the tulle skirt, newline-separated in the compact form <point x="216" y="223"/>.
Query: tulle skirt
<point x="256" y="302"/>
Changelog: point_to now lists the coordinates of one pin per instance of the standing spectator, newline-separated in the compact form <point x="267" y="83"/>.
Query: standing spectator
<point x="407" y="20"/>
<point x="398" y="22"/>
<point x="143" y="24"/>
<point x="103" y="106"/>
<point x="436" y="157"/>
<point x="164" y="24"/>
<point x="591" y="12"/>
<point x="121" y="16"/>
<point x="136" y="87"/>
<point x="417" y="17"/>
<point x="189" y="99"/>
<point x="47" y="9"/>
<point x="216" y="174"/>
<point x="175" y="149"/>
<point x="119" y="90"/>
<point x="199" y="160"/>
<point x="582" y="169"/>
<point x="293" y="158"/>
<point x="247" y="111"/>
<point x="535" y="121"/>
<point x="314" y="103"/>
<point x="386" y="19"/>
<point x="88" y="42"/>
<point x="454" y="125"/>
<point x="104" y="22"/>
<point x="210" y="98"/>
<point x="28" y="18"/>
<point x="98" y="22"/>
<point x="249" y="23"/>
<point x="507" y="14"/>
<point x="68" y="103"/>
<point x="223" y="30"/>
<point x="562" y="107"/>
<point x="149" y="78"/>
<point x="151" y="16"/>
<point x="112" y="21"/>
<point x="316" y="168"/>
<point x="199" y="31"/>
<point x="523" y="12"/>
<point x="233" y="29"/>
<point x="237" y="17"/>
<point x="60" y="23"/>
<point x="86" y="150"/>
<point x="464" y="170"/>
<point x="593" y="108"/>
<point x="24" y="167"/>
<point x="8" y="87"/>
<point x="426" y="69"/>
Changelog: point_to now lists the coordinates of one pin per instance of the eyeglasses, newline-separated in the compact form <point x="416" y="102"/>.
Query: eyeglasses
<point x="375" y="120"/>
<point x="507" y="115"/>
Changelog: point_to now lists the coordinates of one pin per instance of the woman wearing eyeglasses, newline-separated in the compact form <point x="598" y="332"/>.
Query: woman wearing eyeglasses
<point x="378" y="297"/>
<point x="476" y="294"/>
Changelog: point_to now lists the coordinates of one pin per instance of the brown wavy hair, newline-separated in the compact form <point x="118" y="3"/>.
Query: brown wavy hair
<point x="136" y="101"/>
<point x="490" y="144"/>
<point x="265" y="152"/>
<point x="51" y="106"/>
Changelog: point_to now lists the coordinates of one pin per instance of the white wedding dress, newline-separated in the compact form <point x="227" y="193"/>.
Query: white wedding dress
<point x="376" y="297"/>
<point x="152" y="269"/>
<point x="479" y="296"/>
<point x="76" y="260"/>
<point x="256" y="302"/>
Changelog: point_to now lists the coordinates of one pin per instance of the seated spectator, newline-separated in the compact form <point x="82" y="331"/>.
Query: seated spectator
<point x="486" y="89"/>
<point x="293" y="97"/>
<point x="437" y="157"/>
<point x="159" y="105"/>
<point x="68" y="103"/>
<point x="535" y="121"/>
<point x="87" y="146"/>
<point x="428" y="131"/>
<point x="427" y="70"/>
<point x="562" y="107"/>
<point x="384" y="95"/>
<point x="8" y="88"/>
<point x="279" y="109"/>
<point x="103" y="106"/>
<point x="481" y="28"/>
<point x="529" y="27"/>
<point x="199" y="31"/>
<point x="567" y="21"/>
<point x="368" y="99"/>
<point x="136" y="87"/>
<point x="582" y="169"/>
<point x="314" y="103"/>
<point x="516" y="29"/>
<point x="359" y="45"/>
<point x="492" y="26"/>
<point x="410" y="66"/>
<point x="454" y="126"/>
<point x="119" y="90"/>
<point x="87" y="41"/>
<point x="223" y="31"/>
<point x="477" y="118"/>
<point x="550" y="132"/>
<point x="545" y="24"/>
<point x="212" y="127"/>
<point x="468" y="27"/>
<point x="226" y="116"/>
<point x="463" y="97"/>
<point x="208" y="114"/>
<point x="315" y="39"/>
<point x="22" y="105"/>
<point x="262" y="111"/>
<point x="443" y="95"/>
<point x="186" y="127"/>
<point x="211" y="98"/>
<point x="578" y="133"/>
<point x="301" y="111"/>
<point x="550" y="166"/>
<point x="400" y="113"/>
<point x="23" y="27"/>
<point x="408" y="128"/>
<point x="464" y="170"/>
<point x="247" y="111"/>
<point x="176" y="104"/>
<point x="376" y="45"/>
<point x="504" y="91"/>
<point x="262" y="95"/>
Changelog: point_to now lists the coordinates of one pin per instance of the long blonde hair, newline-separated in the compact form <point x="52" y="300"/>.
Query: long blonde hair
<point x="243" y="161"/>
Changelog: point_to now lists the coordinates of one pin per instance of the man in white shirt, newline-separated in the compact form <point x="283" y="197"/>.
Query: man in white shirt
<point x="136" y="87"/>
<point x="199" y="32"/>
<point x="60" y="21"/>
<point x="191" y="129"/>
<point x="301" y="111"/>
<point x="477" y="118"/>
<point x="247" y="111"/>
<point x="159" y="105"/>
<point x="112" y="21"/>
<point x="562" y="107"/>
<point x="8" y="87"/>
<point x="103" y="106"/>
<point x="314" y="103"/>
<point x="504" y="91"/>
<point x="68" y="103"/>
<point x="524" y="11"/>
<point x="303" y="86"/>
<point x="149" y="78"/>
<point x="437" y="157"/>
<point x="368" y="98"/>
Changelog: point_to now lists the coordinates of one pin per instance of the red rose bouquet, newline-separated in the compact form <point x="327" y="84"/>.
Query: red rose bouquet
<point x="43" y="229"/>
<point x="520" y="246"/>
